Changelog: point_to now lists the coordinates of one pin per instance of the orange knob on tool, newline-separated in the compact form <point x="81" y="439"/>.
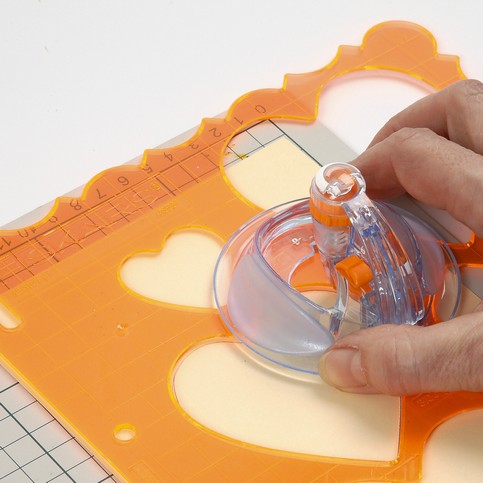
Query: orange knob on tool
<point x="333" y="184"/>
<point x="356" y="271"/>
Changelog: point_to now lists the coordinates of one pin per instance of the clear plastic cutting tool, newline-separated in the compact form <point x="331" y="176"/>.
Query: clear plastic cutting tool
<point x="296" y="277"/>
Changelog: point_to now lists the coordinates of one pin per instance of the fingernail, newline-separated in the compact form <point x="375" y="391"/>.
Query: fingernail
<point x="342" y="368"/>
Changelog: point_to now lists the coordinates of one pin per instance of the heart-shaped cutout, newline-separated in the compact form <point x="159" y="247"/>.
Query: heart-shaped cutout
<point x="180" y="273"/>
<point x="223" y="388"/>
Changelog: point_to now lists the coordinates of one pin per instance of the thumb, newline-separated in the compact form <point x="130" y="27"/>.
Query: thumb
<point x="403" y="360"/>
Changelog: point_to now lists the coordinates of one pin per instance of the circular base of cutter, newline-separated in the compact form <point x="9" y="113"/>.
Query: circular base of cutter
<point x="268" y="310"/>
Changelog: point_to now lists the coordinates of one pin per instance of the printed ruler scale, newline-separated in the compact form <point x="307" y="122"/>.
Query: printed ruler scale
<point x="101" y="358"/>
<point x="122" y="194"/>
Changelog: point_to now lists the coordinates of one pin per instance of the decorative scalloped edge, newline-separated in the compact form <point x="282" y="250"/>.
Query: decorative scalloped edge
<point x="299" y="93"/>
<point x="297" y="99"/>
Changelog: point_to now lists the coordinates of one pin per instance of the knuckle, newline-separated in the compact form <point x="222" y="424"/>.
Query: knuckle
<point x="471" y="354"/>
<point x="408" y="144"/>
<point x="398" y="371"/>
<point x="466" y="92"/>
<point x="406" y="365"/>
<point x="413" y="135"/>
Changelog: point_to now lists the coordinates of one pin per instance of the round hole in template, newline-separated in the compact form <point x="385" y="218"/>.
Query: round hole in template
<point x="121" y="329"/>
<point x="124" y="432"/>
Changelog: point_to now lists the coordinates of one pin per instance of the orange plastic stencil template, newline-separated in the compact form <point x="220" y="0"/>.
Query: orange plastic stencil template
<point x="101" y="358"/>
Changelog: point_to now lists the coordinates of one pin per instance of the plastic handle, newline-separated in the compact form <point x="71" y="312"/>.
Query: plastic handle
<point x="360" y="229"/>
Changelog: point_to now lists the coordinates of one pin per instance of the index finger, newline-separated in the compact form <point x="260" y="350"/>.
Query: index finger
<point x="430" y="168"/>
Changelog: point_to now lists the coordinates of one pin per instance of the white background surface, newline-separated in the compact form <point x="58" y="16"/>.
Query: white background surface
<point x="85" y="85"/>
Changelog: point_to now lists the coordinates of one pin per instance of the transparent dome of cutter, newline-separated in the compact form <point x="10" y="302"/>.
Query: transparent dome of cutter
<point x="298" y="276"/>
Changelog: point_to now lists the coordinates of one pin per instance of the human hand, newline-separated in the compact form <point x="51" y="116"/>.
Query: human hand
<point x="432" y="150"/>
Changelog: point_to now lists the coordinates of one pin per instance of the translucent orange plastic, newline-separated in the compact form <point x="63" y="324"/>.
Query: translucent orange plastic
<point x="101" y="359"/>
